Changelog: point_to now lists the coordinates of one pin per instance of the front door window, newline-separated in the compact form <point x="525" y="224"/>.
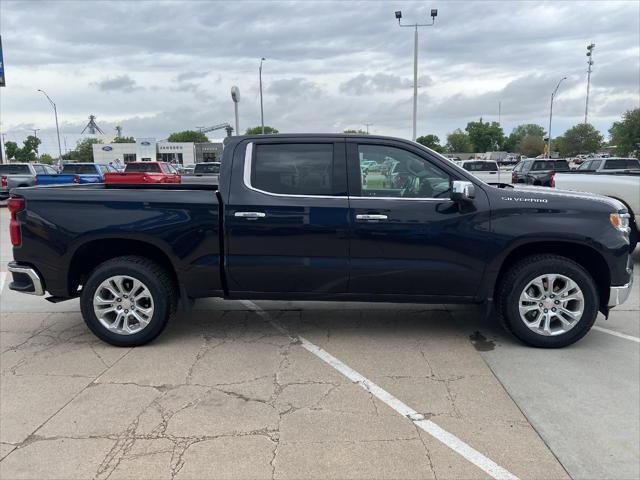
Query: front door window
<point x="393" y="172"/>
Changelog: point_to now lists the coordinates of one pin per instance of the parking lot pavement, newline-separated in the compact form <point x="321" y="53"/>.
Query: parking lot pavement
<point x="225" y="393"/>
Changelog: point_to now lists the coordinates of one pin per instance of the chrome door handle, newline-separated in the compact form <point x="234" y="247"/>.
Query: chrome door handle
<point x="250" y="215"/>
<point x="369" y="217"/>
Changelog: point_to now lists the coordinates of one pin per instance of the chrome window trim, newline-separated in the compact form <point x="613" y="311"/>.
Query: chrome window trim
<point x="246" y="176"/>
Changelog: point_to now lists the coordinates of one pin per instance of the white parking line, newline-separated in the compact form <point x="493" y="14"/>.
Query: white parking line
<point x="450" y="440"/>
<point x="3" y="276"/>
<point x="617" y="334"/>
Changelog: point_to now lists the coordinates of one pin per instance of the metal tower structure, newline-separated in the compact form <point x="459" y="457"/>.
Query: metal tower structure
<point x="118" y="131"/>
<point x="220" y="126"/>
<point x="92" y="126"/>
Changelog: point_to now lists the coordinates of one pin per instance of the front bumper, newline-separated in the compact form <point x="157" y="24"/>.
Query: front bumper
<point x="25" y="279"/>
<point x="619" y="294"/>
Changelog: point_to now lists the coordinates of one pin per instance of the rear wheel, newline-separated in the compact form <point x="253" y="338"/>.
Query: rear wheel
<point x="128" y="301"/>
<point x="548" y="301"/>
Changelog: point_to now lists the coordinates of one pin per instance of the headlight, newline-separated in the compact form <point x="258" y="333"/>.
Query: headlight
<point x="620" y="221"/>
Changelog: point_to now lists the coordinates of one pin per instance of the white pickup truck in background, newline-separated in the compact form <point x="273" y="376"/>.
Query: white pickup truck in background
<point x="623" y="187"/>
<point x="486" y="170"/>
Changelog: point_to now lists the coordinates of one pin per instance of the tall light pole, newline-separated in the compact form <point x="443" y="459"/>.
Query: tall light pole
<point x="551" y="115"/>
<point x="261" y="108"/>
<point x="235" y="96"/>
<point x="434" y="14"/>
<point x="35" y="135"/>
<point x="590" y="48"/>
<point x="55" y="112"/>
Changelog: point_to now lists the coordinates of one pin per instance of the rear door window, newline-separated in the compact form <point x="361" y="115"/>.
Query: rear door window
<point x="293" y="169"/>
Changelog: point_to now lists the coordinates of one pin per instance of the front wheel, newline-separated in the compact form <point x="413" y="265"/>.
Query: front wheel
<point x="128" y="301"/>
<point x="548" y="301"/>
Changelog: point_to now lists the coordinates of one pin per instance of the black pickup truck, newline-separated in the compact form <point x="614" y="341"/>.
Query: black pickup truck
<point x="293" y="218"/>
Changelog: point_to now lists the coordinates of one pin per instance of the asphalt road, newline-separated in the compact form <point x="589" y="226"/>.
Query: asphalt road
<point x="275" y="390"/>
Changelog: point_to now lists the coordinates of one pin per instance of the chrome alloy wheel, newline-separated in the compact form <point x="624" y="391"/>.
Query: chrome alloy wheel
<point x="123" y="305"/>
<point x="551" y="304"/>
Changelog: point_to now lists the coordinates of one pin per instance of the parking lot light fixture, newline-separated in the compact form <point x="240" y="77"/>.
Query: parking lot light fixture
<point x="261" y="107"/>
<point x="551" y="115"/>
<point x="55" y="113"/>
<point x="398" y="14"/>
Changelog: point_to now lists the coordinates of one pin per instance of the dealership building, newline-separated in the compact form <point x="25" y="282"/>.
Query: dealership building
<point x="148" y="149"/>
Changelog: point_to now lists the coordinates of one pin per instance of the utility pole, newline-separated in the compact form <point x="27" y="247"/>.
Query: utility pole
<point x="55" y="113"/>
<point x="261" y="107"/>
<point x="235" y="96"/>
<point x="434" y="14"/>
<point x="118" y="131"/>
<point x="368" y="125"/>
<point x="590" y="49"/>
<point x="499" y="113"/>
<point x="551" y="116"/>
<point x="35" y="134"/>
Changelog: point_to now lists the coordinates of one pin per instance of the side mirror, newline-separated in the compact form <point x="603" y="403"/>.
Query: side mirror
<point x="462" y="191"/>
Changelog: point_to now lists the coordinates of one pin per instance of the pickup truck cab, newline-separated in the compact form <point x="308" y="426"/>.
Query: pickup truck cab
<point x="77" y="173"/>
<point x="205" y="172"/>
<point x="610" y="165"/>
<point x="538" y="171"/>
<point x="20" y="175"/>
<point x="145" y="172"/>
<point x="486" y="170"/>
<point x="292" y="219"/>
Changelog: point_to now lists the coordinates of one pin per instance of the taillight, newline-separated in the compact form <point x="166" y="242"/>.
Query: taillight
<point x="4" y="182"/>
<point x="514" y="177"/>
<point x="552" y="179"/>
<point x="76" y="179"/>
<point x="15" y="205"/>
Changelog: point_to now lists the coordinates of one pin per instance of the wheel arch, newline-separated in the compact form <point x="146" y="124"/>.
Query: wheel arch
<point x="589" y="258"/>
<point x="88" y="255"/>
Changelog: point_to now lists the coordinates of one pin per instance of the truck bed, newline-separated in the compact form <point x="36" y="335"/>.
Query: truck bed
<point x="181" y="221"/>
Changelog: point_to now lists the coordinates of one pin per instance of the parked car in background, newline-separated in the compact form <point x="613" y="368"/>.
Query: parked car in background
<point x="291" y="220"/>
<point x="609" y="165"/>
<point x="77" y="173"/>
<point x="534" y="171"/>
<point x="14" y="175"/>
<point x="486" y="170"/>
<point x="145" y="172"/>
<point x="622" y="187"/>
<point x="205" y="172"/>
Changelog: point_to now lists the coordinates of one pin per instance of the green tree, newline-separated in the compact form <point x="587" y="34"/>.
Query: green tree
<point x="530" y="145"/>
<point x="83" y="151"/>
<point x="485" y="136"/>
<point x="46" y="158"/>
<point x="518" y="133"/>
<point x="583" y="138"/>
<point x="124" y="140"/>
<point x="459" y="142"/>
<point x="188" y="136"/>
<point x="11" y="149"/>
<point x="258" y="130"/>
<point x="430" y="141"/>
<point x="625" y="135"/>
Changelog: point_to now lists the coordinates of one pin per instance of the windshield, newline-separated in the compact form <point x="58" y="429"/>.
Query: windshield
<point x="142" y="167"/>
<point x="480" y="166"/>
<point x="79" y="169"/>
<point x="207" y="168"/>
<point x="557" y="165"/>
<point x="14" y="169"/>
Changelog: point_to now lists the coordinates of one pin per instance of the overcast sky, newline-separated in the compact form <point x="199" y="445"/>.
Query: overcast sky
<point x="158" y="67"/>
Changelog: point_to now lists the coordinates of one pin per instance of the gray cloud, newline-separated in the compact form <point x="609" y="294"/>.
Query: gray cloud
<point x="330" y="65"/>
<point x="122" y="83"/>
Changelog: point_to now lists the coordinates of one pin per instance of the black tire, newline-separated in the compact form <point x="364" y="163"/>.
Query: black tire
<point x="153" y="276"/>
<point x="634" y="236"/>
<point x="516" y="279"/>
